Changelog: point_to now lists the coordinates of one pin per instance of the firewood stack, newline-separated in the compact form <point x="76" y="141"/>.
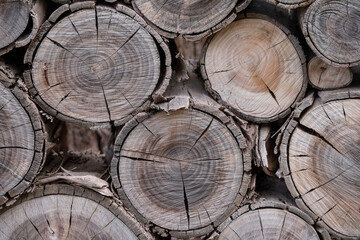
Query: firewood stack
<point x="155" y="119"/>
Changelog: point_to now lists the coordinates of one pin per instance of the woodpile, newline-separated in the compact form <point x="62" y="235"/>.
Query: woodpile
<point x="149" y="119"/>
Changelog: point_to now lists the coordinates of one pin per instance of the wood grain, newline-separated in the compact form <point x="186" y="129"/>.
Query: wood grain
<point x="323" y="149"/>
<point x="331" y="28"/>
<point x="255" y="67"/>
<point x="181" y="171"/>
<point x="291" y="4"/>
<point x="96" y="66"/>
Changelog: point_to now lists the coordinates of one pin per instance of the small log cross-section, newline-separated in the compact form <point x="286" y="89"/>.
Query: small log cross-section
<point x="96" y="65"/>
<point x="256" y="68"/>
<point x="187" y="17"/>
<point x="325" y="77"/>
<point x="66" y="212"/>
<point x="290" y="4"/>
<point x="183" y="171"/>
<point x="22" y="142"/>
<point x="270" y="220"/>
<point x="332" y="30"/>
<point x="320" y="161"/>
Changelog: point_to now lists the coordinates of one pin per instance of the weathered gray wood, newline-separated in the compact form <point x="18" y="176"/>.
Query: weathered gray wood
<point x="182" y="171"/>
<point x="256" y="68"/>
<point x="22" y="141"/>
<point x="320" y="160"/>
<point x="68" y="213"/>
<point x="331" y="28"/>
<point x="290" y="4"/>
<point x="190" y="18"/>
<point x="97" y="65"/>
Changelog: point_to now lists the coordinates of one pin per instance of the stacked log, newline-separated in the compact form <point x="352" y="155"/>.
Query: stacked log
<point x="22" y="139"/>
<point x="80" y="65"/>
<point x="64" y="212"/>
<point x="290" y="4"/>
<point x="15" y="18"/>
<point x="319" y="158"/>
<point x="183" y="171"/>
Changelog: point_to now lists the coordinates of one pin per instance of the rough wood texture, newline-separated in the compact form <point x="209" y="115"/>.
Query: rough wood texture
<point x="65" y="212"/>
<point x="269" y="220"/>
<point x="173" y="18"/>
<point x="331" y="28"/>
<point x="97" y="65"/>
<point x="319" y="158"/>
<point x="183" y="171"/>
<point x="290" y="4"/>
<point x="22" y="142"/>
<point x="324" y="76"/>
<point x="256" y="68"/>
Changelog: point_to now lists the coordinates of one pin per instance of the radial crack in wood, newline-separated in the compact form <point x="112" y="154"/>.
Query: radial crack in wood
<point x="256" y="68"/>
<point x="184" y="174"/>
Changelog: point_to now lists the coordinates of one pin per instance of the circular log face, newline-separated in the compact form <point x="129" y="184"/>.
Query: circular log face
<point x="269" y="223"/>
<point x="14" y="17"/>
<point x="255" y="68"/>
<point x="62" y="217"/>
<point x="332" y="28"/>
<point x="324" y="149"/>
<point x="96" y="66"/>
<point x="181" y="170"/>
<point x="17" y="141"/>
<point x="185" y="16"/>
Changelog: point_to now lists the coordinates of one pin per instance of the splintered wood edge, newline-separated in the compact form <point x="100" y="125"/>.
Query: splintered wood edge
<point x="295" y="42"/>
<point x="245" y="181"/>
<point x="324" y="96"/>
<point x="274" y="204"/>
<point x="162" y="46"/>
<point x="291" y="5"/>
<point x="241" y="5"/>
<point x="74" y="190"/>
<point x="39" y="145"/>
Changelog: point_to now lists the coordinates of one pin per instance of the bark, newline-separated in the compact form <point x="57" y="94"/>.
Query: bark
<point x="97" y="66"/>
<point x="291" y="4"/>
<point x="256" y="68"/>
<point x="319" y="158"/>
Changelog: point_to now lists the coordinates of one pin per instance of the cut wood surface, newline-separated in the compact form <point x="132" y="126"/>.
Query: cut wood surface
<point x="97" y="65"/>
<point x="65" y="212"/>
<point x="321" y="165"/>
<point x="331" y="28"/>
<point x="324" y="76"/>
<point x="183" y="171"/>
<point x="188" y="17"/>
<point x="255" y="67"/>
<point x="22" y="142"/>
<point x="269" y="220"/>
<point x="291" y="3"/>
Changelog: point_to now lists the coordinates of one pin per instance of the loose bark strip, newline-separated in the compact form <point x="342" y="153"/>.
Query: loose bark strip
<point x="256" y="68"/>
<point x="66" y="212"/>
<point x="319" y="157"/>
<point x="15" y="17"/>
<point x="183" y="171"/>
<point x="97" y="65"/>
<point x="195" y="19"/>
<point x="324" y="76"/>
<point x="291" y="4"/>
<point x="22" y="142"/>
<point x="331" y="28"/>
<point x="270" y="220"/>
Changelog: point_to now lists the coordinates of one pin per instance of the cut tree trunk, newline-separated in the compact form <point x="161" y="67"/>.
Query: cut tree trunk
<point x="320" y="161"/>
<point x="183" y="171"/>
<point x="270" y="220"/>
<point x="290" y="4"/>
<point x="22" y="142"/>
<point x="65" y="212"/>
<point x="325" y="77"/>
<point x="331" y="28"/>
<point x="96" y="65"/>
<point x="193" y="19"/>
<point x="16" y="16"/>
<point x="256" y="68"/>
